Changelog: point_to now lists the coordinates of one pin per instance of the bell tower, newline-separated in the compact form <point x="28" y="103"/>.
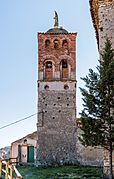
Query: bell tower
<point x="56" y="126"/>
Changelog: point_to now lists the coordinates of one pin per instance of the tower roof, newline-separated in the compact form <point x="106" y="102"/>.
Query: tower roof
<point x="56" y="28"/>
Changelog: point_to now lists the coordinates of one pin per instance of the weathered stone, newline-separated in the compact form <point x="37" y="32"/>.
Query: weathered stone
<point x="57" y="129"/>
<point x="89" y="155"/>
<point x="56" y="99"/>
<point x="102" y="12"/>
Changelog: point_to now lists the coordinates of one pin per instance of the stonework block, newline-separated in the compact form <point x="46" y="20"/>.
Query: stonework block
<point x="102" y="12"/>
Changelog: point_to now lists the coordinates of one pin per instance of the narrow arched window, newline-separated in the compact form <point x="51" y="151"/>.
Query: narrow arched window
<point x="49" y="64"/>
<point x="65" y="44"/>
<point x="64" y="64"/>
<point x="48" y="70"/>
<point x="56" y="43"/>
<point x="47" y="43"/>
<point x="64" y="69"/>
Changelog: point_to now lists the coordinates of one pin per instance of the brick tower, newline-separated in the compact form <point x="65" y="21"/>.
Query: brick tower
<point x="56" y="96"/>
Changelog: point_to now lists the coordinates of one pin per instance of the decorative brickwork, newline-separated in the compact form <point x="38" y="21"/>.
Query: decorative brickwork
<point x="56" y="125"/>
<point x="55" y="52"/>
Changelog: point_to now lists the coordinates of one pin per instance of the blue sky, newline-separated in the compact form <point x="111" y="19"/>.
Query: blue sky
<point x="20" y="20"/>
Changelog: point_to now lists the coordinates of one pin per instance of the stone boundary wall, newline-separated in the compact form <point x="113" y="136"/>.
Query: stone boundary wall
<point x="89" y="155"/>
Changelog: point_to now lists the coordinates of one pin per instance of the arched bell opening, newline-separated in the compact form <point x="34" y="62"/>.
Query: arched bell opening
<point x="47" y="43"/>
<point x="65" y="44"/>
<point x="64" y="69"/>
<point x="48" y="70"/>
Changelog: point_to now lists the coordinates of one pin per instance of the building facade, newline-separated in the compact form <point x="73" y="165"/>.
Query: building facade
<point x="56" y="127"/>
<point x="24" y="150"/>
<point x="102" y="12"/>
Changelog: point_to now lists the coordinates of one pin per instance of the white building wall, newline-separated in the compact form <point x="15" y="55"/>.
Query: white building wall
<point x="14" y="149"/>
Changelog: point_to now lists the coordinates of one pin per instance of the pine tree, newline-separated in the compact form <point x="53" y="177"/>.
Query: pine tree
<point x="97" y="116"/>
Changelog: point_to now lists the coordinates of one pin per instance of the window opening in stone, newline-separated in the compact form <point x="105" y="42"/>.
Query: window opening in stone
<point x="46" y="87"/>
<point x="48" y="70"/>
<point x="64" y="64"/>
<point x="53" y="117"/>
<point x="58" y="97"/>
<point x="45" y="111"/>
<point x="59" y="110"/>
<point x="101" y="28"/>
<point x="75" y="85"/>
<point x="49" y="64"/>
<point x="66" y="87"/>
<point x="64" y="69"/>
<point x="54" y="104"/>
<point x="56" y="43"/>
<point x="43" y="97"/>
<point x="65" y="44"/>
<point x="45" y="104"/>
<point x="38" y="85"/>
<point x="25" y="141"/>
<point x="67" y="104"/>
<point x="47" y="43"/>
<point x="67" y="98"/>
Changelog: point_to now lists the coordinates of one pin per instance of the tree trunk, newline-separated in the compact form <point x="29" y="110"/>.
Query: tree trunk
<point x="110" y="162"/>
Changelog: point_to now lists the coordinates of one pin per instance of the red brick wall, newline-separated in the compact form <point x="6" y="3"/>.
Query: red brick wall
<point x="57" y="50"/>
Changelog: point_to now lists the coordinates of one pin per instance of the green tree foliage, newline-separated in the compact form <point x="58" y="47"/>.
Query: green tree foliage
<point x="97" y="116"/>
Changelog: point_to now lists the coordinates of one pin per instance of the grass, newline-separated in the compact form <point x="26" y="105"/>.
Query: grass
<point x="62" y="172"/>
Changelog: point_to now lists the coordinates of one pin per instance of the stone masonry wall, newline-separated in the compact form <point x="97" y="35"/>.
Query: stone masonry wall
<point x="102" y="12"/>
<point x="106" y="23"/>
<point x="56" y="125"/>
<point x="103" y="20"/>
<point x="57" y="128"/>
<point x="89" y="155"/>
